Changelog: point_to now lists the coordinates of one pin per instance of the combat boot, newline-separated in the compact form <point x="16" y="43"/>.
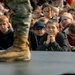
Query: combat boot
<point x="18" y="52"/>
<point x="21" y="18"/>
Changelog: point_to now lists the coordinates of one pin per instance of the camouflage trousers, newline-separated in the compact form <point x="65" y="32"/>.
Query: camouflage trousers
<point x="21" y="16"/>
<point x="21" y="19"/>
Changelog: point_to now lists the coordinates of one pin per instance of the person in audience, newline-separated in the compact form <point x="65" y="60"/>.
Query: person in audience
<point x="6" y="33"/>
<point x="66" y="20"/>
<point x="39" y="8"/>
<point x="55" y="12"/>
<point x="71" y="36"/>
<point x="3" y="9"/>
<point x="33" y="21"/>
<point x="53" y="40"/>
<point x="34" y="37"/>
<point x="57" y="3"/>
<point x="47" y="11"/>
<point x="37" y="14"/>
<point x="72" y="11"/>
<point x="7" y="14"/>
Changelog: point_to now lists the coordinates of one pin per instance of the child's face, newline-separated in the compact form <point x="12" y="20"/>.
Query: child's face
<point x="47" y="12"/>
<point x="3" y="26"/>
<point x="37" y="14"/>
<point x="57" y="13"/>
<point x="52" y="29"/>
<point x="66" y="21"/>
<point x="33" y="21"/>
<point x="39" y="31"/>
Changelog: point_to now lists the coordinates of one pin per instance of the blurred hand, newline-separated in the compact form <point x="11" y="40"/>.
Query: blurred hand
<point x="72" y="48"/>
<point x="48" y="39"/>
<point x="52" y="38"/>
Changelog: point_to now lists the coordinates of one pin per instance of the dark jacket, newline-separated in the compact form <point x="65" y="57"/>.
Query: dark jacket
<point x="61" y="43"/>
<point x="33" y="40"/>
<point x="6" y="40"/>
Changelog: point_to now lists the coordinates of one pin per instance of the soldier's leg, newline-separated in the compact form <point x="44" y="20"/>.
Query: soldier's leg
<point x="21" y="19"/>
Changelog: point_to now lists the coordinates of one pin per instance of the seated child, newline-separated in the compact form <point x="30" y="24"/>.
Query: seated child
<point x="66" y="20"/>
<point x="34" y="37"/>
<point x="6" y="34"/>
<point x="72" y="11"/>
<point x="53" y="40"/>
<point x="57" y="3"/>
<point x="71" y="36"/>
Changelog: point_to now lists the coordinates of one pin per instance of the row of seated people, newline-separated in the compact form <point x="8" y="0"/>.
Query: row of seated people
<point x="50" y="38"/>
<point x="46" y="35"/>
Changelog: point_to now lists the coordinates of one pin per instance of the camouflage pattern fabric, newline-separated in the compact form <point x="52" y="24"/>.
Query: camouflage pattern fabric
<point x="21" y="16"/>
<point x="21" y="19"/>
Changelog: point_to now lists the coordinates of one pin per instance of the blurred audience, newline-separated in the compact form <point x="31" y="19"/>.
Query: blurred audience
<point x="53" y="40"/>
<point x="34" y="37"/>
<point x="6" y="33"/>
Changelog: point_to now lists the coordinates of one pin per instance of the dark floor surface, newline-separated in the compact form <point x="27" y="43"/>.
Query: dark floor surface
<point x="42" y="63"/>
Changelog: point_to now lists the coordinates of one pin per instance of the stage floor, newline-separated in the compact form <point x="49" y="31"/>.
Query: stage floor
<point x="42" y="63"/>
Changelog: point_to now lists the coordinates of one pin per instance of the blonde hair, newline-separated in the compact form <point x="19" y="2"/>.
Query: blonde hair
<point x="3" y="18"/>
<point x="55" y="9"/>
<point x="68" y="15"/>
